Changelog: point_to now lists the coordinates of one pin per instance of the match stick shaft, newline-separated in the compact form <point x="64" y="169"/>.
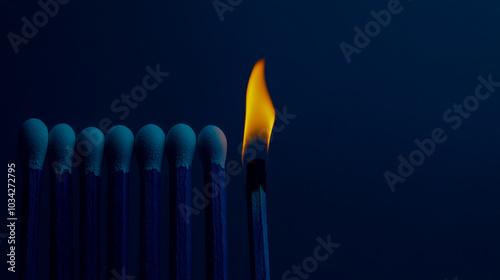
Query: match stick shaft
<point x="117" y="222"/>
<point x="215" y="223"/>
<point x="150" y="224"/>
<point x="90" y="186"/>
<point x="29" y="223"/>
<point x="61" y="226"/>
<point x="180" y="229"/>
<point x="257" y="220"/>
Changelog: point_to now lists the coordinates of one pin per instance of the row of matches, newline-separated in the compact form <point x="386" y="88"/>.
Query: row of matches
<point x="150" y="146"/>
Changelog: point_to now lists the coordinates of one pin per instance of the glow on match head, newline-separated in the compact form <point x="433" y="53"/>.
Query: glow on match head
<point x="181" y="144"/>
<point x="33" y="142"/>
<point x="150" y="147"/>
<point x="212" y="146"/>
<point x="61" y="148"/>
<point x="90" y="145"/>
<point x="119" y="146"/>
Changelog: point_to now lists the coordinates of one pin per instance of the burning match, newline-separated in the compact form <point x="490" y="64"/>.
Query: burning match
<point x="90" y="187"/>
<point x="180" y="146"/>
<point x="149" y="150"/>
<point x="212" y="147"/>
<point x="259" y="121"/>
<point x="118" y="147"/>
<point x="32" y="144"/>
<point x="60" y="151"/>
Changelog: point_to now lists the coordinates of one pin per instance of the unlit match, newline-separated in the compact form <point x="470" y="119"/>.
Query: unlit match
<point x="60" y="152"/>
<point x="119" y="147"/>
<point x="32" y="145"/>
<point x="149" y="150"/>
<point x="180" y="147"/>
<point x="90" y="144"/>
<point x="212" y="147"/>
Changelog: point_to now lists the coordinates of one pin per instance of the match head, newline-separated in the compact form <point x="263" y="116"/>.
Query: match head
<point x="90" y="145"/>
<point x="150" y="147"/>
<point x="119" y="146"/>
<point x="212" y="146"/>
<point x="32" y="143"/>
<point x="180" y="145"/>
<point x="61" y="148"/>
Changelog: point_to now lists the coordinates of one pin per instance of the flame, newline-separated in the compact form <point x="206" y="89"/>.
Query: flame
<point x="260" y="114"/>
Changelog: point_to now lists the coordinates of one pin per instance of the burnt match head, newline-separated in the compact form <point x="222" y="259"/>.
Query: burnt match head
<point x="180" y="145"/>
<point x="90" y="145"/>
<point x="61" y="148"/>
<point x="119" y="147"/>
<point x="256" y="174"/>
<point x="150" y="147"/>
<point x="212" y="146"/>
<point x="32" y="143"/>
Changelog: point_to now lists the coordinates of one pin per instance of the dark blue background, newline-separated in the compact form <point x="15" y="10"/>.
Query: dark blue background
<point x="326" y="167"/>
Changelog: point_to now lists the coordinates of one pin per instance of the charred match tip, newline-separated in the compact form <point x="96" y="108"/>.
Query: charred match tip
<point x="256" y="174"/>
<point x="150" y="147"/>
<point x="180" y="145"/>
<point x="212" y="146"/>
<point x="61" y="147"/>
<point x="90" y="144"/>
<point x="33" y="142"/>
<point x="119" y="147"/>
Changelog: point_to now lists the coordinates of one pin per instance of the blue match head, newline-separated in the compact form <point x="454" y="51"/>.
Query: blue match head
<point x="90" y="146"/>
<point x="33" y="141"/>
<point x="61" y="148"/>
<point x="150" y="147"/>
<point x="180" y="144"/>
<point x="119" y="146"/>
<point x="212" y="146"/>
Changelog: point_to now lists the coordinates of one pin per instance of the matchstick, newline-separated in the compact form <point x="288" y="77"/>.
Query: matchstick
<point x="60" y="152"/>
<point x="32" y="145"/>
<point x="212" y="147"/>
<point x="90" y="145"/>
<point x="118" y="148"/>
<point x="180" y="146"/>
<point x="257" y="220"/>
<point x="149" y="150"/>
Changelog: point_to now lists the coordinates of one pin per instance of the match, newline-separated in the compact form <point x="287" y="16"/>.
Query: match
<point x="212" y="148"/>
<point x="149" y="150"/>
<point x="60" y="152"/>
<point x="32" y="145"/>
<point x="118" y="147"/>
<point x="259" y="122"/>
<point x="90" y="144"/>
<point x="180" y="147"/>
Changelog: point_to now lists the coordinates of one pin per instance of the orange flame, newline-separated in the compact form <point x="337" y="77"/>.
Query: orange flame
<point x="260" y="114"/>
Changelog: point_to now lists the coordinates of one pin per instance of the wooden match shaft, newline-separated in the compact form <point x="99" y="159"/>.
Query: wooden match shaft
<point x="215" y="224"/>
<point x="117" y="222"/>
<point x="32" y="146"/>
<point x="90" y="187"/>
<point x="61" y="226"/>
<point x="257" y="220"/>
<point x="150" y="225"/>
<point x="180" y="229"/>
<point x="30" y="209"/>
